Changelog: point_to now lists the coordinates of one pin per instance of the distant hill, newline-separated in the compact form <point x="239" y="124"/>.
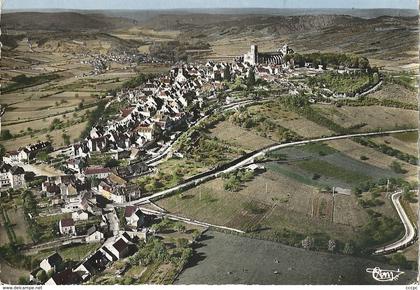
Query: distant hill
<point x="61" y="21"/>
<point x="244" y="23"/>
<point x="388" y="40"/>
<point x="144" y="15"/>
<point x="283" y="20"/>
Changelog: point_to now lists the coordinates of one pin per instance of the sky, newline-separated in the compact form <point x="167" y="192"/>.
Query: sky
<point x="179" y="4"/>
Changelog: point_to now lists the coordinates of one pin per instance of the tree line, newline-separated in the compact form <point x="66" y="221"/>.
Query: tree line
<point x="334" y="60"/>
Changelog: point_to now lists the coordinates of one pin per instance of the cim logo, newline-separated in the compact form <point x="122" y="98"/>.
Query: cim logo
<point x="384" y="275"/>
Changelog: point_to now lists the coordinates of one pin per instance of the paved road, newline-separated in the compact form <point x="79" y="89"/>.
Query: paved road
<point x="30" y="250"/>
<point x="262" y="152"/>
<point x="241" y="163"/>
<point x="410" y="232"/>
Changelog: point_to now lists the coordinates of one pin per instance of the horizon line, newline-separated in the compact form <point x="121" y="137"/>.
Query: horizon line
<point x="215" y="8"/>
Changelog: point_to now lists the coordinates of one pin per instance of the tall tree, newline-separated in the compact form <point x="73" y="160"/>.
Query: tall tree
<point x="226" y="74"/>
<point x="251" y="78"/>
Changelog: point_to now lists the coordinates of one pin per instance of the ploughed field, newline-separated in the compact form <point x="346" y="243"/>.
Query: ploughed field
<point x="229" y="259"/>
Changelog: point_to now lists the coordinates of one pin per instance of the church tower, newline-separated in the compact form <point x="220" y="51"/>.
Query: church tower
<point x="254" y="54"/>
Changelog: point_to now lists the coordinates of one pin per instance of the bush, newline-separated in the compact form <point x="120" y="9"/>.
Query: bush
<point x="316" y="176"/>
<point x="288" y="237"/>
<point x="41" y="276"/>
<point x="398" y="259"/>
<point x="23" y="280"/>
<point x="181" y="243"/>
<point x="2" y="151"/>
<point x="349" y="248"/>
<point x="152" y="252"/>
<point x="308" y="243"/>
<point x="363" y="157"/>
<point x="6" y="135"/>
<point x="179" y="227"/>
<point x="383" y="148"/>
<point x="234" y="180"/>
<point x="23" y="81"/>
<point x="379" y="230"/>
<point x="66" y="139"/>
<point x="111" y="163"/>
<point x="397" y="168"/>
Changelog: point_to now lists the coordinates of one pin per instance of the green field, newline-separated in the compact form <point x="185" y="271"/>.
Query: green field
<point x="70" y="253"/>
<point x="342" y="83"/>
<point x="23" y="81"/>
<point x="321" y="149"/>
<point x="329" y="170"/>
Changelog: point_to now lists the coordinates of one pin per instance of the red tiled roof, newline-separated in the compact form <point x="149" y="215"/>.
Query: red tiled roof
<point x="67" y="277"/>
<point x="127" y="111"/>
<point x="143" y="128"/>
<point x="120" y="245"/>
<point x="96" y="170"/>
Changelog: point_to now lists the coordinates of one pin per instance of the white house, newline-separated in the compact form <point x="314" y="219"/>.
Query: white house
<point x="94" y="235"/>
<point x="11" y="157"/>
<point x="97" y="172"/>
<point x="75" y="164"/>
<point x="80" y="215"/>
<point x="72" y="204"/>
<point x="120" y="248"/>
<point x="4" y="175"/>
<point x="12" y="176"/>
<point x="67" y="227"/>
<point x="118" y="196"/>
<point x="134" y="217"/>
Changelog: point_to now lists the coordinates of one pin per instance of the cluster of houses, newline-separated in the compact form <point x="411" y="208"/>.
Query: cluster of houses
<point x="60" y="272"/>
<point x="115" y="244"/>
<point x="160" y="107"/>
<point x="154" y="112"/>
<point x="72" y="193"/>
<point x="28" y="153"/>
<point x="102" y="62"/>
<point x="154" y="115"/>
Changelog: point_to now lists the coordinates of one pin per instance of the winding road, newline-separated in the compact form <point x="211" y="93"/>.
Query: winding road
<point x="241" y="162"/>
<point x="410" y="231"/>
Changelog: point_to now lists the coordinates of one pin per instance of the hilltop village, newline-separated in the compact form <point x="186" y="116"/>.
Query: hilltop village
<point x="150" y="119"/>
<point x="155" y="114"/>
<point x="139" y="130"/>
